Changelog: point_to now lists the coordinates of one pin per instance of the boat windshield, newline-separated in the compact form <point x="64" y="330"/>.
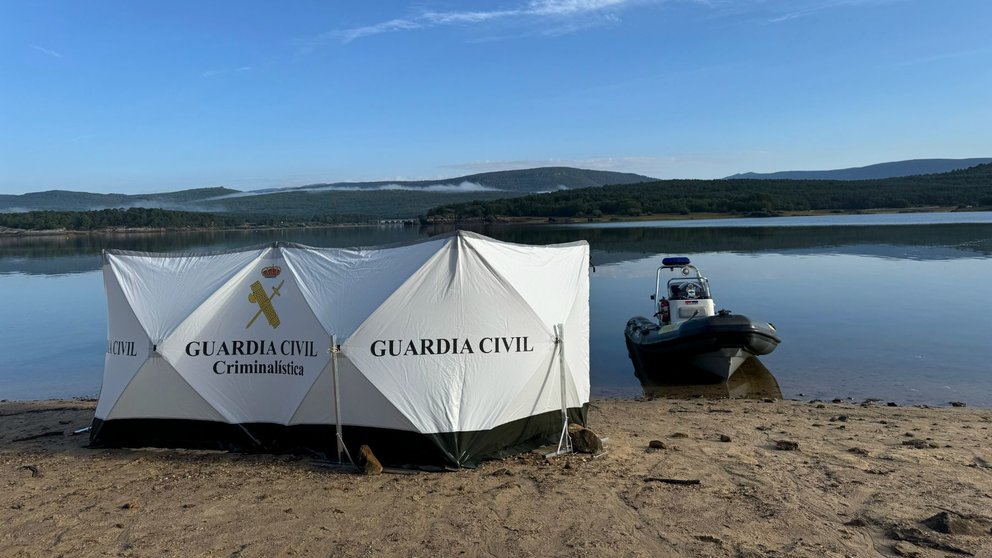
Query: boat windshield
<point x="688" y="289"/>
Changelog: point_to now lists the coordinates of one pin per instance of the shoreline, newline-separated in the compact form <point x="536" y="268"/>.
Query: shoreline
<point x="865" y="480"/>
<point x="28" y="233"/>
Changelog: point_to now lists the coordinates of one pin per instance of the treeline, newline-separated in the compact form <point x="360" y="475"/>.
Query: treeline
<point x="135" y="217"/>
<point x="969" y="187"/>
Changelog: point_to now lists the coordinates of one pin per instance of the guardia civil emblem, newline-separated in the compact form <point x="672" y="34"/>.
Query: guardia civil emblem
<point x="263" y="299"/>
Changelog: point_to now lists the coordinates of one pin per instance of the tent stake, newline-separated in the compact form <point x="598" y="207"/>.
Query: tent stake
<point x="335" y="349"/>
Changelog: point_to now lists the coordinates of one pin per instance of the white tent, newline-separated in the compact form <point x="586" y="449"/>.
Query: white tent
<point x="446" y="351"/>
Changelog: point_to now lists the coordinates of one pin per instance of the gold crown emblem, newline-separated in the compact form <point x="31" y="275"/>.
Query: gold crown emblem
<point x="271" y="271"/>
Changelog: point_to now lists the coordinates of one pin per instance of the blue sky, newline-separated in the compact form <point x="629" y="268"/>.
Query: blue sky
<point x="152" y="96"/>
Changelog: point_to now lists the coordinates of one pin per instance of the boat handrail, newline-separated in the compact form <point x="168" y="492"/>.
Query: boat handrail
<point x="685" y="275"/>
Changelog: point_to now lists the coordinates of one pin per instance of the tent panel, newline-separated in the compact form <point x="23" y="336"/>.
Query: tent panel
<point x="545" y="276"/>
<point x="576" y="337"/>
<point x="345" y="286"/>
<point x="164" y="289"/>
<point x="254" y="349"/>
<point x="361" y="403"/>
<point x="448" y="345"/>
<point x="158" y="391"/>
<point x="128" y="348"/>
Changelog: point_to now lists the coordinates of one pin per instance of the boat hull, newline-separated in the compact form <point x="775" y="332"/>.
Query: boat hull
<point x="713" y="346"/>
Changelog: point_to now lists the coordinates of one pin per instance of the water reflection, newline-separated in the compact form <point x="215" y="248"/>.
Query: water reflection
<point x="67" y="254"/>
<point x="751" y="381"/>
<point x="79" y="253"/>
<point x="915" y="242"/>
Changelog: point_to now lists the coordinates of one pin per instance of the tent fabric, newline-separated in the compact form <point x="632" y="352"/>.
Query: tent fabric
<point x="447" y="354"/>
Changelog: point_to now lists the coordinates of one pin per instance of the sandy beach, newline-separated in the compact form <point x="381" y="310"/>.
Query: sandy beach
<point x="864" y="480"/>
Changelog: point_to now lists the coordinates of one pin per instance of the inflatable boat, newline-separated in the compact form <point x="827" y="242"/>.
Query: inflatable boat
<point x="689" y="334"/>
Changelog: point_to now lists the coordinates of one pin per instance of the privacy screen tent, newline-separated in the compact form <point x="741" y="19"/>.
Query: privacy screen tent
<point x="447" y="351"/>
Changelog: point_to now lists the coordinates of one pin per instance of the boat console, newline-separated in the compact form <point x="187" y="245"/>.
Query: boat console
<point x="684" y="297"/>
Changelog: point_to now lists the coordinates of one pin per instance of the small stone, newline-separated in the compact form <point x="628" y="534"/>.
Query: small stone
<point x="957" y="404"/>
<point x="838" y="400"/>
<point x="724" y="438"/>
<point x="679" y="435"/>
<point x="907" y="550"/>
<point x="768" y="400"/>
<point x="657" y="444"/>
<point x="584" y="440"/>
<point x="916" y="443"/>
<point x="891" y="404"/>
<point x="129" y="506"/>
<point x="842" y="418"/>
<point x="368" y="462"/>
<point x="858" y="451"/>
<point x="762" y="428"/>
<point x="786" y="445"/>
<point x="821" y="406"/>
<point x="956" y="524"/>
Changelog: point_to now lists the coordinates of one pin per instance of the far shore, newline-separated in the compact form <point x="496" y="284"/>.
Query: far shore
<point x="684" y="477"/>
<point x="13" y="233"/>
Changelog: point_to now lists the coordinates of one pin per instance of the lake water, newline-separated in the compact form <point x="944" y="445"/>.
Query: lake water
<point x="897" y="307"/>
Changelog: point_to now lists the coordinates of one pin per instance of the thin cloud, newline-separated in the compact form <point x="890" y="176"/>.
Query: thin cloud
<point x="773" y="12"/>
<point x="558" y="12"/>
<point x="439" y="188"/>
<point x="463" y="187"/>
<point x="946" y="56"/>
<point x="212" y="73"/>
<point x="47" y="51"/>
<point x="821" y="5"/>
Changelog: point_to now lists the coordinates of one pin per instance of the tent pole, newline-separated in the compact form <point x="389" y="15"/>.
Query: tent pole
<point x="565" y="441"/>
<point x="337" y="401"/>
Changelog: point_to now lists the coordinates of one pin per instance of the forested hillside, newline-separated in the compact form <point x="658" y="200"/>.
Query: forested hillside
<point x="969" y="187"/>
<point x="64" y="200"/>
<point x="136" y="217"/>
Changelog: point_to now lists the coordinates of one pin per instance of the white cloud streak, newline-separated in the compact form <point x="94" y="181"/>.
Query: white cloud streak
<point x="212" y="73"/>
<point x="439" y="188"/>
<point x="47" y="51"/>
<point x="463" y="187"/>
<point x="558" y="11"/>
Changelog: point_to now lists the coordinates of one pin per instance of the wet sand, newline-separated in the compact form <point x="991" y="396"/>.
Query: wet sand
<point x="863" y="481"/>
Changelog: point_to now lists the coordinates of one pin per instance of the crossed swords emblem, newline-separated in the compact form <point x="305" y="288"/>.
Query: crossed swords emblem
<point x="264" y="301"/>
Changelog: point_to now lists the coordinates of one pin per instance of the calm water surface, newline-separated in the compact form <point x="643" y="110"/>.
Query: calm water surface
<point x="897" y="306"/>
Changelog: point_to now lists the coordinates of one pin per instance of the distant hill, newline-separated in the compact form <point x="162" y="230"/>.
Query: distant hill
<point x="543" y="179"/>
<point x="963" y="189"/>
<point x="881" y="170"/>
<point x="64" y="200"/>
<point x="383" y="199"/>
